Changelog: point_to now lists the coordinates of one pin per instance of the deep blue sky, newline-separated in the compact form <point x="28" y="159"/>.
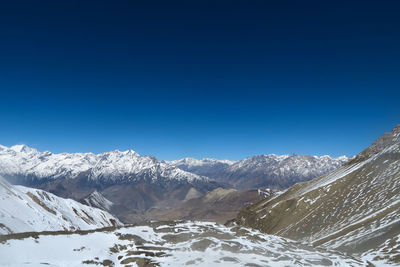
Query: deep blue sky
<point x="197" y="78"/>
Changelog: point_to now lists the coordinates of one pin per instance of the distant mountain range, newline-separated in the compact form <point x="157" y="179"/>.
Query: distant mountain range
<point x="272" y="171"/>
<point x="355" y="209"/>
<point x="133" y="183"/>
<point x="140" y="185"/>
<point x="26" y="164"/>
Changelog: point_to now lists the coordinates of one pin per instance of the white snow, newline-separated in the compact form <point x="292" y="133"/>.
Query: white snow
<point x="97" y="200"/>
<point x="26" y="161"/>
<point x="192" y="162"/>
<point x="24" y="209"/>
<point x="298" y="167"/>
<point x="183" y="244"/>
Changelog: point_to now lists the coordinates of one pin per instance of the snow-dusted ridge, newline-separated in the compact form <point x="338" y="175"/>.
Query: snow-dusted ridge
<point x="97" y="200"/>
<point x="267" y="170"/>
<point x="200" y="162"/>
<point x="21" y="160"/>
<point x="354" y="208"/>
<point x="24" y="209"/>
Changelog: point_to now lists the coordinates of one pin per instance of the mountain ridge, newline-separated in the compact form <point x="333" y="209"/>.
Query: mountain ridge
<point x="24" y="209"/>
<point x="266" y="170"/>
<point x="107" y="166"/>
<point x="353" y="209"/>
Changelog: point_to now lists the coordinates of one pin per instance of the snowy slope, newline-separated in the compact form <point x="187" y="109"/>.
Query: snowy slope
<point x="263" y="170"/>
<point x="168" y="244"/>
<point x="355" y="208"/>
<point x="97" y="200"/>
<point x="23" y="161"/>
<point x="24" y="209"/>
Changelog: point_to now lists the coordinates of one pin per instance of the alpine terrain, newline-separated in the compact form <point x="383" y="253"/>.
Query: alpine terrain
<point x="133" y="183"/>
<point x="349" y="217"/>
<point x="24" y="209"/>
<point x="354" y="209"/>
<point x="164" y="244"/>
<point x="137" y="188"/>
<point x="262" y="171"/>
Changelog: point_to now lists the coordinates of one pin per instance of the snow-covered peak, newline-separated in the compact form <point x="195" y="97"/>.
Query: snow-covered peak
<point x="20" y="160"/>
<point x="289" y="162"/>
<point x="192" y="162"/>
<point x="23" y="149"/>
<point x="277" y="171"/>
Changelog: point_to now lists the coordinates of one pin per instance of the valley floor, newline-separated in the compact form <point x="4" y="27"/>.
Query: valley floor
<point x="164" y="244"/>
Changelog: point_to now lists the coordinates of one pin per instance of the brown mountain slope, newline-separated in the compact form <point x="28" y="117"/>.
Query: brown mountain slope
<point x="354" y="209"/>
<point x="220" y="205"/>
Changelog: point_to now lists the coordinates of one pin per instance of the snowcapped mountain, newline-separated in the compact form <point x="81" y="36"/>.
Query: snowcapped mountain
<point x="24" y="209"/>
<point x="355" y="208"/>
<point x="192" y="162"/>
<point x="115" y="166"/>
<point x="263" y="170"/>
<point x="205" y="167"/>
<point x="133" y="183"/>
<point x="137" y="184"/>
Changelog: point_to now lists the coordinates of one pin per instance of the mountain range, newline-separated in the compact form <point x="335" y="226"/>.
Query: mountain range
<point x="132" y="182"/>
<point x="142" y="187"/>
<point x="347" y="217"/>
<point x="25" y="164"/>
<point x="272" y="171"/>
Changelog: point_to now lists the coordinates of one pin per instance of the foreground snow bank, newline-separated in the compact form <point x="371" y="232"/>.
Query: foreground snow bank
<point x="166" y="244"/>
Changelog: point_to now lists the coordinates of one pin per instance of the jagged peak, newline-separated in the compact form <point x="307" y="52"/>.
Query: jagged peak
<point x="197" y="162"/>
<point x="22" y="148"/>
<point x="108" y="165"/>
<point x="386" y="141"/>
<point x="294" y="155"/>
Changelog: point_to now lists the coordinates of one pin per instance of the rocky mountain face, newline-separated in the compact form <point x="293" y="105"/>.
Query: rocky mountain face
<point x="355" y="208"/>
<point x="263" y="171"/>
<point x="97" y="200"/>
<point x="132" y="182"/>
<point x="24" y="209"/>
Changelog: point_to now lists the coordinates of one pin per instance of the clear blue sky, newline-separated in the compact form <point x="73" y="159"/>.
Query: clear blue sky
<point x="197" y="78"/>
